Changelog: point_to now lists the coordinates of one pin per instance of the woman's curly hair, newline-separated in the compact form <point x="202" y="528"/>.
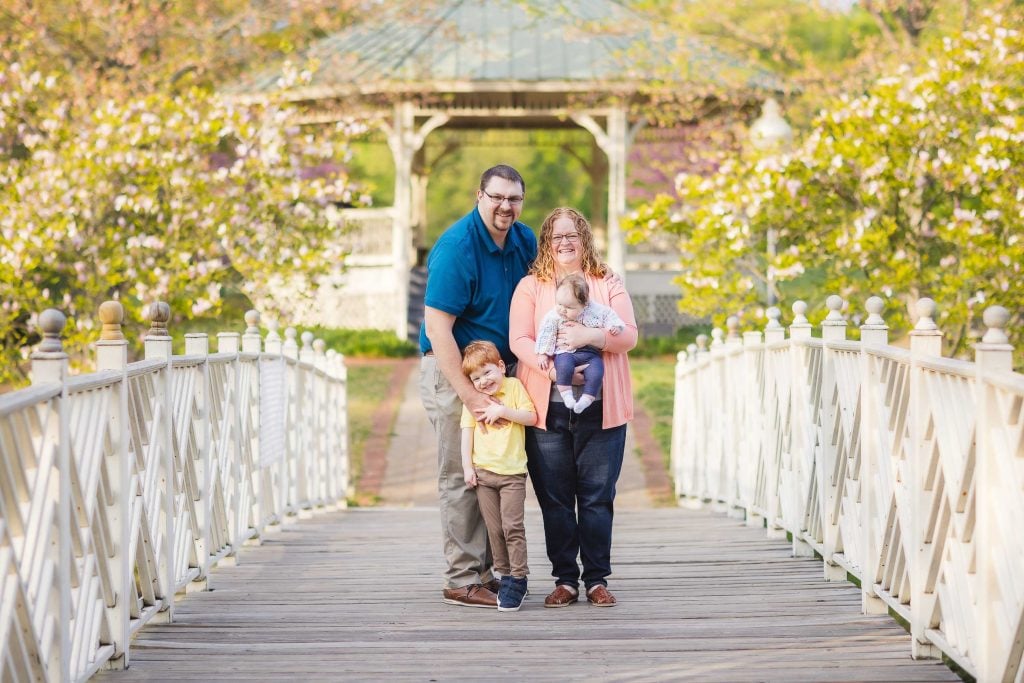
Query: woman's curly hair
<point x="543" y="267"/>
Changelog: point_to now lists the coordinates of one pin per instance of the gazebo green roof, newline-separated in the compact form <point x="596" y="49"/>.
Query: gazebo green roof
<point x="479" y="45"/>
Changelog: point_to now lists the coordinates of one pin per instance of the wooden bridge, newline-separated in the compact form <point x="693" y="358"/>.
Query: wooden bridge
<point x="247" y="569"/>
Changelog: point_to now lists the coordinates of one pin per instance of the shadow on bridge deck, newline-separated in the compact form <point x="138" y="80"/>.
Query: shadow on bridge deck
<point x="355" y="595"/>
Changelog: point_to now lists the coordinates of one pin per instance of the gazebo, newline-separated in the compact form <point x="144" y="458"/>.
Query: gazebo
<point x="480" y="64"/>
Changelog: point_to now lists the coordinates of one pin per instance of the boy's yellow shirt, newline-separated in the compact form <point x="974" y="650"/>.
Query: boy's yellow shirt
<point x="501" y="450"/>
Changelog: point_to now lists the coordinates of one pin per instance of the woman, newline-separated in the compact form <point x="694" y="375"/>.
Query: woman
<point x="574" y="459"/>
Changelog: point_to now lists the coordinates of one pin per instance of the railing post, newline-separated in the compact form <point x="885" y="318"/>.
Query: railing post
<point x="251" y="342"/>
<point x="198" y="344"/>
<point x="337" y="361"/>
<point x="158" y="347"/>
<point x="272" y="344"/>
<point x="833" y="328"/>
<point x="112" y="354"/>
<point x="773" y="429"/>
<point x="733" y="440"/>
<point x="925" y="340"/>
<point x="755" y="448"/>
<point x="993" y="355"/>
<point x="50" y="365"/>
<point x="678" y="406"/>
<point x="799" y="330"/>
<point x="874" y="332"/>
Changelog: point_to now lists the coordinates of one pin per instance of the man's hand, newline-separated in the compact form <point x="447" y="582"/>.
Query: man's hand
<point x="493" y="413"/>
<point x="477" y="403"/>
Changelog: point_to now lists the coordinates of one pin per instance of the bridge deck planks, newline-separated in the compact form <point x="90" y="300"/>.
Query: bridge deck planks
<point x="355" y="596"/>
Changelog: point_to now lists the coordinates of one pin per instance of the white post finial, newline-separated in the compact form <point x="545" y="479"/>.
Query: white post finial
<point x="111" y="317"/>
<point x="925" y="309"/>
<point x="833" y="327"/>
<point x="290" y="347"/>
<point x="732" y="326"/>
<point x="49" y="362"/>
<point x="702" y="343"/>
<point x="926" y="338"/>
<point x="691" y="352"/>
<point x="994" y="353"/>
<point x="112" y="347"/>
<point x="306" y="352"/>
<point x="158" y="339"/>
<point x="272" y="344"/>
<point x="995" y="319"/>
<point x="251" y="342"/>
<point x="51" y="322"/>
<point x="773" y="330"/>
<point x="874" y="330"/>
<point x="716" y="337"/>
<point x="800" y="327"/>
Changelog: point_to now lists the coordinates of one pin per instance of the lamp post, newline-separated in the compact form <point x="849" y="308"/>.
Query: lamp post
<point x="770" y="134"/>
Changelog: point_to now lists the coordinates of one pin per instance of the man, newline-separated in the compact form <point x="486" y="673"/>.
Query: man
<point x="472" y="272"/>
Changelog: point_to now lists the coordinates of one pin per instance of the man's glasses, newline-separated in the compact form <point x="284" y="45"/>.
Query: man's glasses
<point x="570" y="237"/>
<point x="498" y="199"/>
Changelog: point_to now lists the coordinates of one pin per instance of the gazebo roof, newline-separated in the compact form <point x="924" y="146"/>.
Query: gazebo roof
<point x="462" y="46"/>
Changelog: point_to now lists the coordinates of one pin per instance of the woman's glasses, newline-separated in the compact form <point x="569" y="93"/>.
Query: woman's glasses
<point x="570" y="237"/>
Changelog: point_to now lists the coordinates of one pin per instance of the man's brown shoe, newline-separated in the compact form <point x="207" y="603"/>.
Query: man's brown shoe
<point x="599" y="596"/>
<point x="562" y="596"/>
<point x="473" y="595"/>
<point x="493" y="585"/>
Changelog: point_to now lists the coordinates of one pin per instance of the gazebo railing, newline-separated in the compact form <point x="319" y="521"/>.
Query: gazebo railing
<point x="901" y="469"/>
<point x="123" y="488"/>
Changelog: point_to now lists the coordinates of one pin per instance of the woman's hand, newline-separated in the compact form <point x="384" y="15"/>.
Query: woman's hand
<point x="573" y="335"/>
<point x="469" y="474"/>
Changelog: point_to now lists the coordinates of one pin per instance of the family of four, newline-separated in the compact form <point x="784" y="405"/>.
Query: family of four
<point x="524" y="369"/>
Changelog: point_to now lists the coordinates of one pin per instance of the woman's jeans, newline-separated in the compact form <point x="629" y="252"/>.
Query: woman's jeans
<point x="575" y="465"/>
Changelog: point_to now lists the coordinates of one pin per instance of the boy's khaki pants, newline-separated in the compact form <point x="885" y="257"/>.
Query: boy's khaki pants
<point x="502" y="498"/>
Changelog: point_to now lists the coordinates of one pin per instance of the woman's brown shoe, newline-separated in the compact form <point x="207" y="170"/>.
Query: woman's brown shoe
<point x="599" y="596"/>
<point x="562" y="596"/>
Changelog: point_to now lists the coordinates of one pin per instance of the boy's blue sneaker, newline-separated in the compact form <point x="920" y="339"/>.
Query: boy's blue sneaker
<point x="511" y="594"/>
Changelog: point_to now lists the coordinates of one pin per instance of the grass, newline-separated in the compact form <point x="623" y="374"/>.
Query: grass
<point x="367" y="385"/>
<point x="654" y="390"/>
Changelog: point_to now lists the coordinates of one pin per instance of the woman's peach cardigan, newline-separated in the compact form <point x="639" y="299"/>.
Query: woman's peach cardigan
<point x="531" y="301"/>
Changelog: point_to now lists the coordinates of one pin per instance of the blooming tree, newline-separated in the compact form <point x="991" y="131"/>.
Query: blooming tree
<point x="910" y="189"/>
<point x="163" y="196"/>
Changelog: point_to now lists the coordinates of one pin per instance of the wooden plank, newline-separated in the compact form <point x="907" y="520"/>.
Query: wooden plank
<point x="355" y="595"/>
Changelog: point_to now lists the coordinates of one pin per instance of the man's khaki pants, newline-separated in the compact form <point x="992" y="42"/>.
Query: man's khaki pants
<point x="462" y="525"/>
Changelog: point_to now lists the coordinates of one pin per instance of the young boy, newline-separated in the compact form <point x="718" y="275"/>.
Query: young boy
<point x="573" y="304"/>
<point x="494" y="462"/>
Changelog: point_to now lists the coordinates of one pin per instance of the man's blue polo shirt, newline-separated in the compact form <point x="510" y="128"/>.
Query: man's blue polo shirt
<point x="469" y="277"/>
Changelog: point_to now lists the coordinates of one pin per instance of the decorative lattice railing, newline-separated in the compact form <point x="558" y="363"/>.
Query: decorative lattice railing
<point x="123" y="488"/>
<point x="901" y="469"/>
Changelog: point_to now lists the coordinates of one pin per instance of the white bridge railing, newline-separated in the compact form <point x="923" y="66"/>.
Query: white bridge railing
<point x="122" y="488"/>
<point x="902" y="469"/>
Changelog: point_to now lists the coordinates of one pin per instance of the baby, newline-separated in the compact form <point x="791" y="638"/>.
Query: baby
<point x="572" y="304"/>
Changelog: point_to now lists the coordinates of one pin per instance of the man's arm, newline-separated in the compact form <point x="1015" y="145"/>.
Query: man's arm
<point x="439" y="326"/>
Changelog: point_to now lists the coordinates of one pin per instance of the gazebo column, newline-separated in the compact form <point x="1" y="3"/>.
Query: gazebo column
<point x="614" y="141"/>
<point x="405" y="139"/>
<point x="420" y="180"/>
